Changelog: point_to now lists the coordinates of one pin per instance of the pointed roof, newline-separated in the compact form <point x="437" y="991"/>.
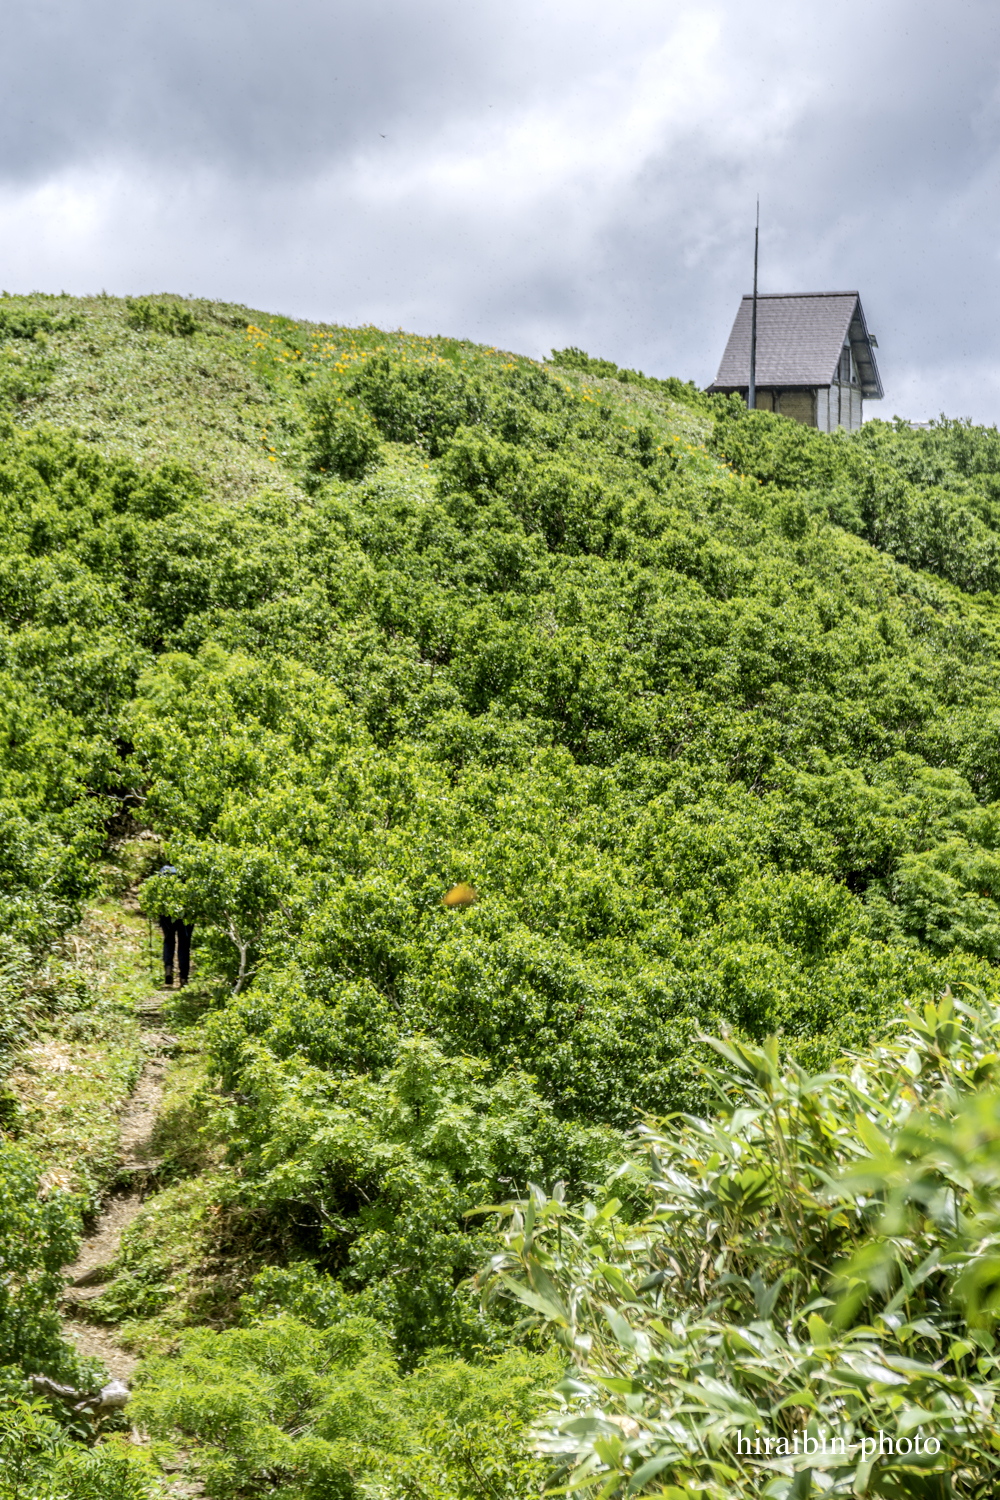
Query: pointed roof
<point x="799" y="339"/>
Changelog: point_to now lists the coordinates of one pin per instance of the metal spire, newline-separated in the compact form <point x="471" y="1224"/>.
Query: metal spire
<point x="752" y="401"/>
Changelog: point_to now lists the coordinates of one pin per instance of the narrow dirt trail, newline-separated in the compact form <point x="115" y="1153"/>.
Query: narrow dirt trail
<point x="137" y="1163"/>
<point x="91" y="1270"/>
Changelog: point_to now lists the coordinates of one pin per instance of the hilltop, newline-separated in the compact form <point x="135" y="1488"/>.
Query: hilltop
<point x="704" y="705"/>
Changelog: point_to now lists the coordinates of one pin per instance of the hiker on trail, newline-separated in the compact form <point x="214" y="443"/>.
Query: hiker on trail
<point x="175" y="932"/>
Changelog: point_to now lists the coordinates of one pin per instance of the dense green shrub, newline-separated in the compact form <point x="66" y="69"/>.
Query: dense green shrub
<point x="344" y="440"/>
<point x="704" y="704"/>
<point x="38" y="1462"/>
<point x="321" y="1412"/>
<point x="819" y="1260"/>
<point x="377" y="1179"/>
<point x="27" y="360"/>
<point x="684" y="391"/>
<point x="39" y="1234"/>
<point x="658" y="708"/>
<point x="160" y="317"/>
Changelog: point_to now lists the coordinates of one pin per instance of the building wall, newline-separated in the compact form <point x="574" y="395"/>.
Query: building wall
<point x="846" y="407"/>
<point x="823" y="408"/>
<point x="839" y="405"/>
<point x="799" y="405"/>
<point x="829" y="407"/>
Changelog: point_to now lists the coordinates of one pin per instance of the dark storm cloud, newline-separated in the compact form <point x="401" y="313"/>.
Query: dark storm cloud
<point x="526" y="173"/>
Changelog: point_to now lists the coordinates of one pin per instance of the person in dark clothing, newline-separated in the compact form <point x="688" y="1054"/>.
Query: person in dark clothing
<point x="176" y="933"/>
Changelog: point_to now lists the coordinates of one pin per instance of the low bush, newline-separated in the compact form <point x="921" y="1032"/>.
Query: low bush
<point x="344" y="440"/>
<point x="160" y="317"/>
<point x="39" y="1234"/>
<point x="703" y="704"/>
<point x="321" y="1413"/>
<point x="39" y="1462"/>
<point x="377" y="1180"/>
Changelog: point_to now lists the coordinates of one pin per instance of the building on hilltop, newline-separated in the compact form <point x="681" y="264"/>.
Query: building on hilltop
<point x="815" y="360"/>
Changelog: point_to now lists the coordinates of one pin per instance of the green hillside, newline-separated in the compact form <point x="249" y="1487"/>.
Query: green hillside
<point x="704" y="705"/>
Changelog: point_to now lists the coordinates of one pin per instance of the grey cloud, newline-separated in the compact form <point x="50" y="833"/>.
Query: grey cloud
<point x="253" y="86"/>
<point x="259" y="86"/>
<point x="536" y="184"/>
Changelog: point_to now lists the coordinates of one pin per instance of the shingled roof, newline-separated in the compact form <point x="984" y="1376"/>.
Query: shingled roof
<point x="799" y="339"/>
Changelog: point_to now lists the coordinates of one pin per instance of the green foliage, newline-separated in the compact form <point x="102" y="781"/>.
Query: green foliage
<point x="927" y="499"/>
<point x="27" y="364"/>
<point x="578" y="658"/>
<point x="160" y="317"/>
<point x="417" y="402"/>
<point x="299" y="1410"/>
<point x="819" y="1258"/>
<point x="469" y="1425"/>
<point x="344" y="439"/>
<point x="318" y="1412"/>
<point x="19" y="319"/>
<point x="31" y="1444"/>
<point x="704" y="705"/>
<point x="782" y="453"/>
<point x="381" y="1178"/>
<point x="39" y="1234"/>
<point x="683" y="391"/>
<point x="38" y="1462"/>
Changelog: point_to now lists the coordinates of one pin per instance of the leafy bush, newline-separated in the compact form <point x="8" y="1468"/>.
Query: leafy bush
<point x="703" y="704"/>
<point x="780" y="452"/>
<point x="39" y="1234"/>
<point x="419" y="403"/>
<point x="818" y="1260"/>
<point x="19" y="320"/>
<point x="684" y="391"/>
<point x="38" y="1462"/>
<point x="344" y="439"/>
<point x="322" y="1412"/>
<point x="160" y="317"/>
<point x="25" y="375"/>
<point x="378" y="1179"/>
<point x="297" y="1410"/>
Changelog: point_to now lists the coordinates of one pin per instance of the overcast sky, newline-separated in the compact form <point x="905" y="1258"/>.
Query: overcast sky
<point x="531" y="173"/>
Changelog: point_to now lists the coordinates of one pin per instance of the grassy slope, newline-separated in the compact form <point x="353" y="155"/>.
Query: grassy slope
<point x="152" y="396"/>
<point x="74" y="1074"/>
<point x="727" y="763"/>
<point x="223" y="400"/>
